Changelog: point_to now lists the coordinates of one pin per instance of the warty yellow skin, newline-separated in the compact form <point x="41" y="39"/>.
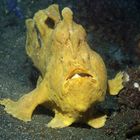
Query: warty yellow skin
<point x="73" y="77"/>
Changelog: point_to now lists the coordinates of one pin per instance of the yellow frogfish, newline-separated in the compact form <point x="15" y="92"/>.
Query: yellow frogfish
<point x="73" y="77"/>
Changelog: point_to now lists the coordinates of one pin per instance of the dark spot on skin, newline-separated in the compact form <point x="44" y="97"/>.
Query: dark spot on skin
<point x="50" y="23"/>
<point x="61" y="59"/>
<point x="38" y="36"/>
<point x="88" y="57"/>
<point x="79" y="42"/>
<point x="84" y="61"/>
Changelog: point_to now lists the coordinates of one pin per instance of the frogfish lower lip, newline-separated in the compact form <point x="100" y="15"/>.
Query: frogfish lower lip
<point x="78" y="73"/>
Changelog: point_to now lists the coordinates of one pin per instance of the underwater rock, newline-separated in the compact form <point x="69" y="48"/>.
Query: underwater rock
<point x="129" y="98"/>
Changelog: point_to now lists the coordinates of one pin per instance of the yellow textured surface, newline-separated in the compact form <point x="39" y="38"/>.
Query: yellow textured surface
<point x="116" y="84"/>
<point x="73" y="77"/>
